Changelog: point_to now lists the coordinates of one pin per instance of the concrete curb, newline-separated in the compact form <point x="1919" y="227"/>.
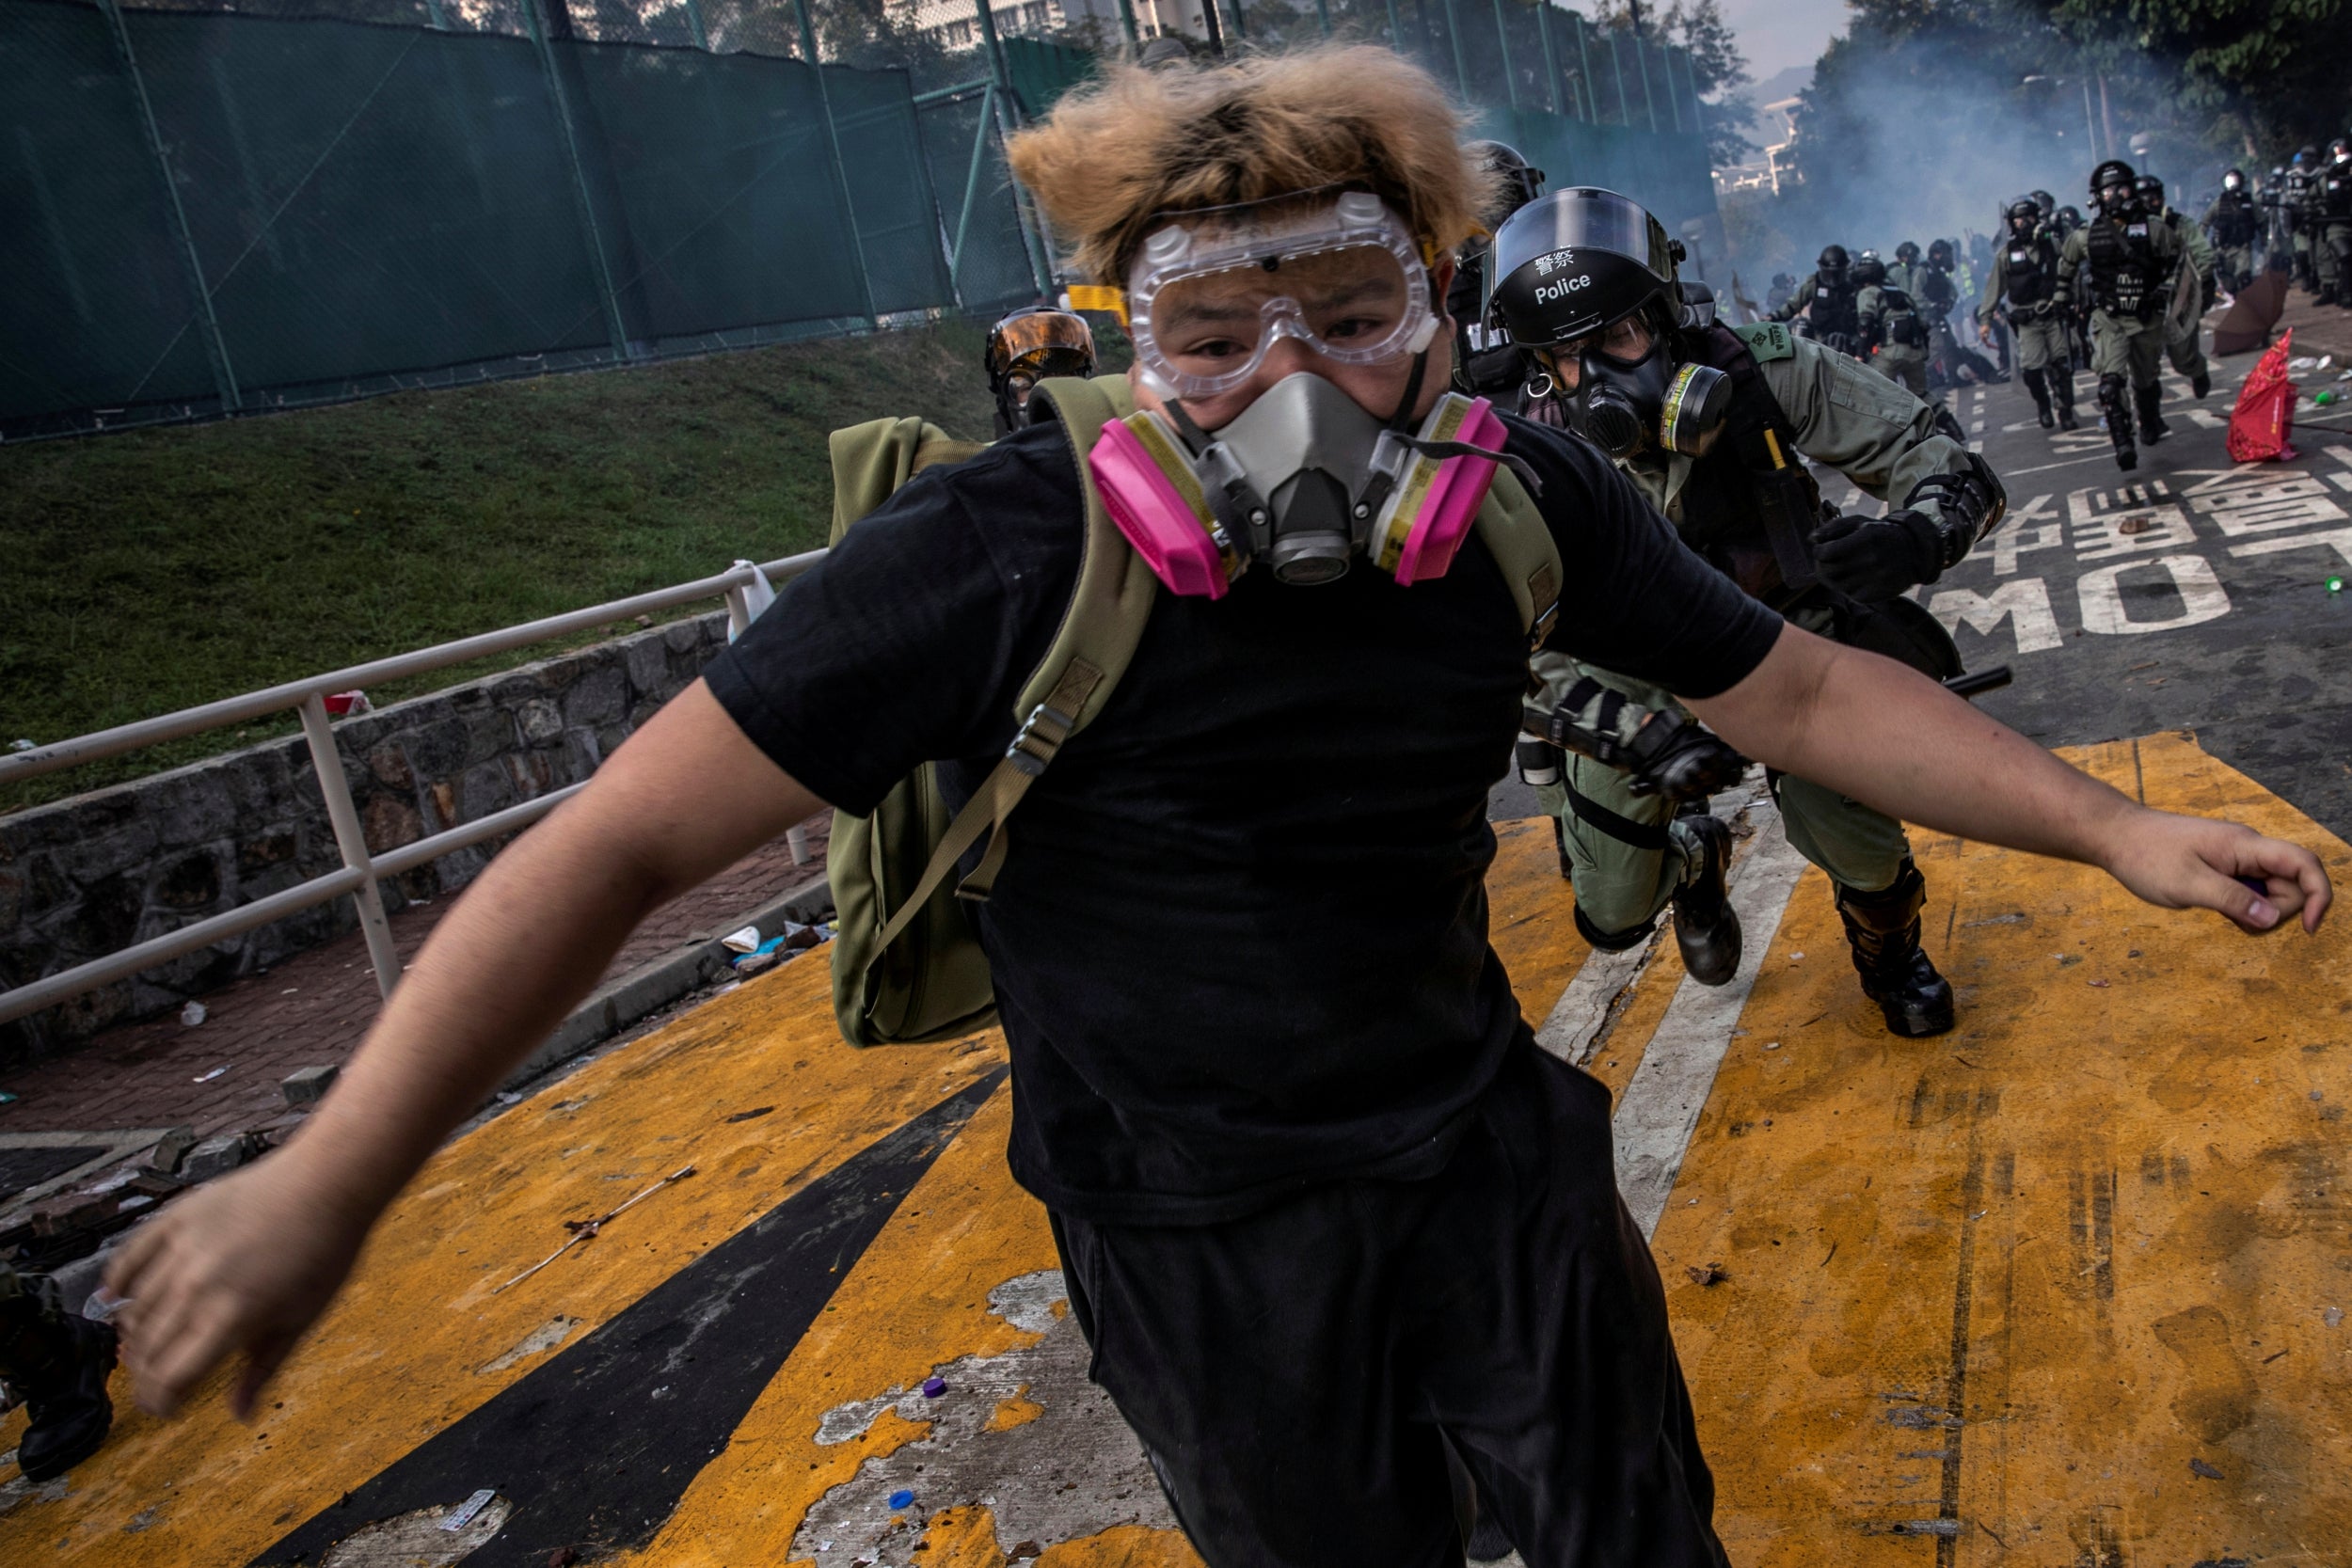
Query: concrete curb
<point x="652" y="985"/>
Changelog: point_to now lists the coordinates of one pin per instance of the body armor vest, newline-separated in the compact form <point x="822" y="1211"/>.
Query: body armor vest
<point x="1749" y="506"/>
<point x="2029" y="274"/>
<point x="1833" y="311"/>
<point x="1899" y="320"/>
<point x="2233" y="219"/>
<point x="2127" y="275"/>
<point x="2335" y="192"/>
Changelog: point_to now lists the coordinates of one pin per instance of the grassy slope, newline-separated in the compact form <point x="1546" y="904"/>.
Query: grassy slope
<point x="153" y="570"/>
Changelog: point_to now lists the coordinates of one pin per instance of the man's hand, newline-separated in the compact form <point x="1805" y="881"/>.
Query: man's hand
<point x="2180" y="863"/>
<point x="1984" y="336"/>
<point x="244" y="1267"/>
<point x="1875" y="558"/>
<point x="245" y="1264"/>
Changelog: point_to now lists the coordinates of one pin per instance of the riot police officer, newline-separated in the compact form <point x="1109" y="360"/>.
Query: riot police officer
<point x="2332" y="196"/>
<point x="1826" y="297"/>
<point x="2181" y="330"/>
<point x="2125" y="260"/>
<point x="2025" y="273"/>
<point x="1485" y="362"/>
<point x="2298" y="203"/>
<point x="1710" y="421"/>
<point x="1893" y="337"/>
<point x="1025" y="347"/>
<point x="1784" y="284"/>
<point x="1904" y="271"/>
<point x="2231" y="223"/>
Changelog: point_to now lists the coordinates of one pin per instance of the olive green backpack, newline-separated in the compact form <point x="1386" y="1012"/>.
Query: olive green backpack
<point x="906" y="966"/>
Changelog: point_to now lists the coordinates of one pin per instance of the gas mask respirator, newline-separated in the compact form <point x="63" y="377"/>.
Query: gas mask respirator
<point x="1623" y="406"/>
<point x="1303" y="479"/>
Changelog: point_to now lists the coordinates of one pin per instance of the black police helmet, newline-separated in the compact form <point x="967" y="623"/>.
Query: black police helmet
<point x="2044" y="201"/>
<point x="2235" y="179"/>
<point x="2151" y="190"/>
<point x="2340" y="149"/>
<point x="1939" y="253"/>
<point x="1522" y="181"/>
<point x="2115" y="171"/>
<point x="2305" y="156"/>
<point x="1578" y="261"/>
<point x="2024" y="210"/>
<point x="1834" y="259"/>
<point x="1869" y="270"/>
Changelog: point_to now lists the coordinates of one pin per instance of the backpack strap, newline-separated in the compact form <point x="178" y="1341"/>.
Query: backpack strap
<point x="1516" y="534"/>
<point x="871" y="461"/>
<point x="1090" y="651"/>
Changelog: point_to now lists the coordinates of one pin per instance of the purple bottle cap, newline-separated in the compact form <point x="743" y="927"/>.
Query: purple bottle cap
<point x="934" y="1386"/>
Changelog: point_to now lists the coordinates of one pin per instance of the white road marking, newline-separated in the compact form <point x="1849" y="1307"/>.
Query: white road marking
<point x="2044" y="467"/>
<point x="1660" y="1106"/>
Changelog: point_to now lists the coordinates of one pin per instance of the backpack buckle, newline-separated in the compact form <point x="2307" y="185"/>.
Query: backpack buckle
<point x="1038" y="738"/>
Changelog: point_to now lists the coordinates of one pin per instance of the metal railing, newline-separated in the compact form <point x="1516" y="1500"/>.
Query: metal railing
<point x="361" y="872"/>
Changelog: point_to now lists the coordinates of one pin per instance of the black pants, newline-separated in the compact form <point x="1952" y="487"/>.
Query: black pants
<point x="1291" y="1372"/>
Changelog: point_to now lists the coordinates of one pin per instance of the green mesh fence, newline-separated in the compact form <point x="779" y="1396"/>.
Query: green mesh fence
<point x="206" y="211"/>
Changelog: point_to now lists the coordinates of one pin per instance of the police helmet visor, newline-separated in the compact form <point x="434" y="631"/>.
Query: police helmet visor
<point x="1626" y="342"/>
<point x="1211" y="294"/>
<point x="1037" y="344"/>
<point x="1572" y="262"/>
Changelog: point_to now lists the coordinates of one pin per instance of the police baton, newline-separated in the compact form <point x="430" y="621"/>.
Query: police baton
<point x="1977" y="682"/>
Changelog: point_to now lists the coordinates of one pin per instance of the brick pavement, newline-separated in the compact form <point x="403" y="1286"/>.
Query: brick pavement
<point x="312" y="1009"/>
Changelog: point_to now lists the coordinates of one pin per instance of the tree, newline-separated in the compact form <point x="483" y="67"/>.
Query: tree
<point x="1717" y="66"/>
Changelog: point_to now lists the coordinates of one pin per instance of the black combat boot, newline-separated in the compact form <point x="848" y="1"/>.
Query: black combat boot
<point x="2062" y="384"/>
<point x="59" y="1363"/>
<point x="1706" y="929"/>
<point x="2116" y="403"/>
<point x="2201" y="383"/>
<point x="2152" y="426"/>
<point x="1884" y="931"/>
<point x="2041" y="390"/>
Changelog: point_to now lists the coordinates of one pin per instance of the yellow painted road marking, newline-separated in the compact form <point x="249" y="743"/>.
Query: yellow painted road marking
<point x="2067" y="1284"/>
<point x="2143" y="1210"/>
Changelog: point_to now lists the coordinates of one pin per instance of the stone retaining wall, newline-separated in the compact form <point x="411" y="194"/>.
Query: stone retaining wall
<point x="90" y="876"/>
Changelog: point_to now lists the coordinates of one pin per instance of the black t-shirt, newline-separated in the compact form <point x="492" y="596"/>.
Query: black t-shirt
<point x="1240" y="942"/>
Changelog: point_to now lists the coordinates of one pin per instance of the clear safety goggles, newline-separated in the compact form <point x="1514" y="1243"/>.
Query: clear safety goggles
<point x="1214" y="293"/>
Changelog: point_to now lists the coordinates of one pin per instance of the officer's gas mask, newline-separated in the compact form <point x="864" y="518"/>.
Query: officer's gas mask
<point x="1587" y="280"/>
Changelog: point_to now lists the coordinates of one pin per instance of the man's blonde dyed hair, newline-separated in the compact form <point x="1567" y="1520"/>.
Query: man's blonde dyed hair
<point x="1140" y="144"/>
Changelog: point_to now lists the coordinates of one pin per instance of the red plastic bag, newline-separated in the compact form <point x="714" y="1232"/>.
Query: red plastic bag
<point x="2264" y="420"/>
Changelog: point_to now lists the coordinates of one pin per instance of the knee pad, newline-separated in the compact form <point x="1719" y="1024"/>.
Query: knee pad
<point x="1612" y="942"/>
<point x="2034" y="383"/>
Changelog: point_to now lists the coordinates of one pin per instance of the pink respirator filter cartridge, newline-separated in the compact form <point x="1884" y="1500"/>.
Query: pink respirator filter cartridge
<point x="1443" y="505"/>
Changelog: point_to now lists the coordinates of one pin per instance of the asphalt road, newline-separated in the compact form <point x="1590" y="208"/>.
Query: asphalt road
<point x="2187" y="595"/>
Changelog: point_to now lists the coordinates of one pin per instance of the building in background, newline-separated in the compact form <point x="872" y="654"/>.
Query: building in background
<point x="956" y="22"/>
<point x="1778" y="161"/>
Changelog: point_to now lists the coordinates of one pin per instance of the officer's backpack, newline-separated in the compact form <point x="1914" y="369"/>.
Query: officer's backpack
<point x="906" y="965"/>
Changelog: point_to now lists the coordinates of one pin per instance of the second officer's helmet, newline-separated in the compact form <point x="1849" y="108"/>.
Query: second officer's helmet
<point x="1833" y="263"/>
<point x="2025" y="216"/>
<point x="2151" y="192"/>
<point x="1522" y="183"/>
<point x="1029" y="345"/>
<point x="1940" y="254"/>
<point x="1869" y="270"/>
<point x="1907" y="252"/>
<point x="2044" y="201"/>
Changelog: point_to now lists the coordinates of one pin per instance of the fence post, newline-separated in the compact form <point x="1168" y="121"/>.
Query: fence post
<point x="1037" y="245"/>
<point x="328" y="762"/>
<point x="1674" y="99"/>
<point x="1127" y="20"/>
<point x="1241" y="22"/>
<point x="971" y="186"/>
<point x="191" y="265"/>
<point x="1584" y="71"/>
<point x="1551" y="60"/>
<point x="560" y="102"/>
<point x="1502" y="47"/>
<point x="1649" y="100"/>
<point x="1323" y="15"/>
<point x="1616" y="72"/>
<point x="1396" y="29"/>
<point x="438" y="17"/>
<point x="833" y="149"/>
<point x="1454" y="37"/>
<point x="693" y="20"/>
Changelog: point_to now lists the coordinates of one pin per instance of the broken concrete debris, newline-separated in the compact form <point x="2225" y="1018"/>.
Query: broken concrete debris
<point x="220" y="1154"/>
<point x="308" y="1086"/>
<point x="170" y="1149"/>
<point x="194" y="1014"/>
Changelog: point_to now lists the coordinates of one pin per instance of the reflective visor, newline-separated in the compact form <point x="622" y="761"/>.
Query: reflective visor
<point x="1576" y="262"/>
<point x="1212" y="295"/>
<point x="1041" y="343"/>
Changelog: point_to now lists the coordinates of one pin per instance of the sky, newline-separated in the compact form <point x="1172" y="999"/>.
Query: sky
<point x="1777" y="34"/>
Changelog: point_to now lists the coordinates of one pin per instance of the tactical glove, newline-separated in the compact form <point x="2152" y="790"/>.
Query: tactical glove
<point x="1876" y="559"/>
<point x="1665" y="753"/>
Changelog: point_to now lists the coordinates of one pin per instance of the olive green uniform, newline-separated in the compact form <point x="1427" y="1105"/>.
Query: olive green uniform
<point x="1895" y="335"/>
<point x="1832" y="309"/>
<point x="2127" y="343"/>
<point x="2231" y="223"/>
<point x="2039" y="328"/>
<point x="2182" y="329"/>
<point x="1885" y="440"/>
